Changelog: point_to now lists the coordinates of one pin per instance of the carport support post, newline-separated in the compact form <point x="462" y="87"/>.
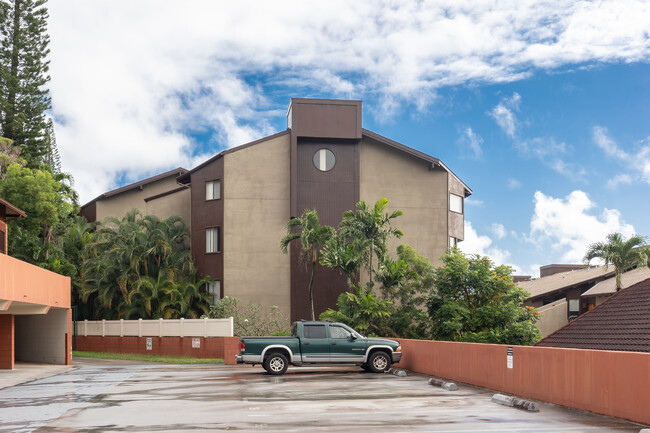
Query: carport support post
<point x="7" y="353"/>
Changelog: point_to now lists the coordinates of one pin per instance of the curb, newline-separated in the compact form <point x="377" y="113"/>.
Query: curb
<point x="519" y="403"/>
<point x="448" y="386"/>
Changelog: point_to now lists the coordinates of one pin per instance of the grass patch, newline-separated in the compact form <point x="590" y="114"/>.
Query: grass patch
<point x="146" y="358"/>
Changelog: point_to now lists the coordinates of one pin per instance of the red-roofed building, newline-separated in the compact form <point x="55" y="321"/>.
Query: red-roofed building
<point x="622" y="322"/>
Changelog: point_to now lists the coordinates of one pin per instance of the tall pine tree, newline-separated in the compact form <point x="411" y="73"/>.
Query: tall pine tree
<point x="23" y="76"/>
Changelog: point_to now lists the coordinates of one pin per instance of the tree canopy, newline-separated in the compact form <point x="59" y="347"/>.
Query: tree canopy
<point x="141" y="267"/>
<point x="49" y="202"/>
<point x="312" y="236"/>
<point x="623" y="254"/>
<point x="391" y="301"/>
<point x="24" y="67"/>
<point x="476" y="301"/>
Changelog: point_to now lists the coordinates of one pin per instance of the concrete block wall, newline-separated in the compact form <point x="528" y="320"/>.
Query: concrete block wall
<point x="42" y="337"/>
<point x="196" y="347"/>
<point x="6" y="341"/>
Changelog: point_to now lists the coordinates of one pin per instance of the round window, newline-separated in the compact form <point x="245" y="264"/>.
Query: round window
<point x="324" y="159"/>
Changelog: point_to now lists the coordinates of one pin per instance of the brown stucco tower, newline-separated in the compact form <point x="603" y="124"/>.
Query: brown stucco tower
<point x="242" y="198"/>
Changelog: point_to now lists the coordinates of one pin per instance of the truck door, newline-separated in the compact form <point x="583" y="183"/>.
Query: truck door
<point x="343" y="347"/>
<point x="314" y="344"/>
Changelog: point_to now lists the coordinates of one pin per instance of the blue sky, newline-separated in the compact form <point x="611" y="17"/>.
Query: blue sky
<point x="540" y="107"/>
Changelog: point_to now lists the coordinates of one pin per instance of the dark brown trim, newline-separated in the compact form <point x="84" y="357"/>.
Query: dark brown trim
<point x="179" y="171"/>
<point x="11" y="210"/>
<point x="293" y="176"/>
<point x="163" y="194"/>
<point x="185" y="178"/>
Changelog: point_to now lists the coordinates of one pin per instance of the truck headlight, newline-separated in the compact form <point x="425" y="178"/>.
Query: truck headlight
<point x="399" y="349"/>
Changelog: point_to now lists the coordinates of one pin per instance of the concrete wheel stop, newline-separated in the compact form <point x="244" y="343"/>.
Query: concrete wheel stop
<point x="398" y="373"/>
<point x="519" y="403"/>
<point x="448" y="386"/>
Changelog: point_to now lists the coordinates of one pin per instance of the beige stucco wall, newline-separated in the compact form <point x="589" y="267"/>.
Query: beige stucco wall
<point x="176" y="204"/>
<point x="412" y="187"/>
<point x="256" y="210"/>
<point x="119" y="204"/>
<point x="552" y="317"/>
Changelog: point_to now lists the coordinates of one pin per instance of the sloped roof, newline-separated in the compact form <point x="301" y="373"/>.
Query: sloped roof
<point x="621" y="323"/>
<point x="139" y="184"/>
<point x="564" y="280"/>
<point x="184" y="178"/>
<point x="11" y="210"/>
<point x="629" y="278"/>
<point x="423" y="156"/>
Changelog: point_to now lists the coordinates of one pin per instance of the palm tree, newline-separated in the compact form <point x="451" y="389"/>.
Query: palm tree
<point x="620" y="253"/>
<point x="370" y="229"/>
<point x="312" y="236"/>
<point x="141" y="266"/>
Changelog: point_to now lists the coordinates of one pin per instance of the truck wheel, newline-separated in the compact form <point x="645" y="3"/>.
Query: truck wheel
<point x="379" y="362"/>
<point x="276" y="363"/>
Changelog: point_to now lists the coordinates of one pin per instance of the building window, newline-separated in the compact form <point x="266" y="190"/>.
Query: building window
<point x="213" y="190"/>
<point x="212" y="240"/>
<point x="574" y="308"/>
<point x="455" y="203"/>
<point x="2" y="242"/>
<point x="452" y="242"/>
<point x="214" y="291"/>
<point x="324" y="159"/>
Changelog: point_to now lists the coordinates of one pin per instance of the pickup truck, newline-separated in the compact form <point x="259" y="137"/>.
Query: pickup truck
<point x="319" y="343"/>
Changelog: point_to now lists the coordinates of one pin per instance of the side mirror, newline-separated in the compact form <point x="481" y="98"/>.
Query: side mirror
<point x="353" y="337"/>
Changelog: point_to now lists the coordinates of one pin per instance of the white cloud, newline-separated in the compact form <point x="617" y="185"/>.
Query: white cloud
<point x="545" y="149"/>
<point x="621" y="179"/>
<point x="567" y="226"/>
<point x="513" y="183"/>
<point x="473" y="202"/>
<point x="499" y="230"/>
<point x="482" y="245"/>
<point x="471" y="142"/>
<point x="134" y="82"/>
<point x="504" y="114"/>
<point x="637" y="162"/>
<point x="602" y="140"/>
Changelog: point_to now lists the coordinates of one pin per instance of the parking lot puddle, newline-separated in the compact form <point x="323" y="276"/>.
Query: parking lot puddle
<point x="26" y="407"/>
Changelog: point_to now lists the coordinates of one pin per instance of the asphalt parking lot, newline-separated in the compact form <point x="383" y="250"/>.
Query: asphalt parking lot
<point x="106" y="396"/>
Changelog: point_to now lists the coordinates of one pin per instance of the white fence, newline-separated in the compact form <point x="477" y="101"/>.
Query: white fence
<point x="156" y="328"/>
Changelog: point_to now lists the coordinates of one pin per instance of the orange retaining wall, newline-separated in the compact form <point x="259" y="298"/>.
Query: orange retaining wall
<point x="211" y="347"/>
<point x="606" y="382"/>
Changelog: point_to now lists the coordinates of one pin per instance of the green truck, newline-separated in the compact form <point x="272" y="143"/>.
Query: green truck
<point x="319" y="343"/>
